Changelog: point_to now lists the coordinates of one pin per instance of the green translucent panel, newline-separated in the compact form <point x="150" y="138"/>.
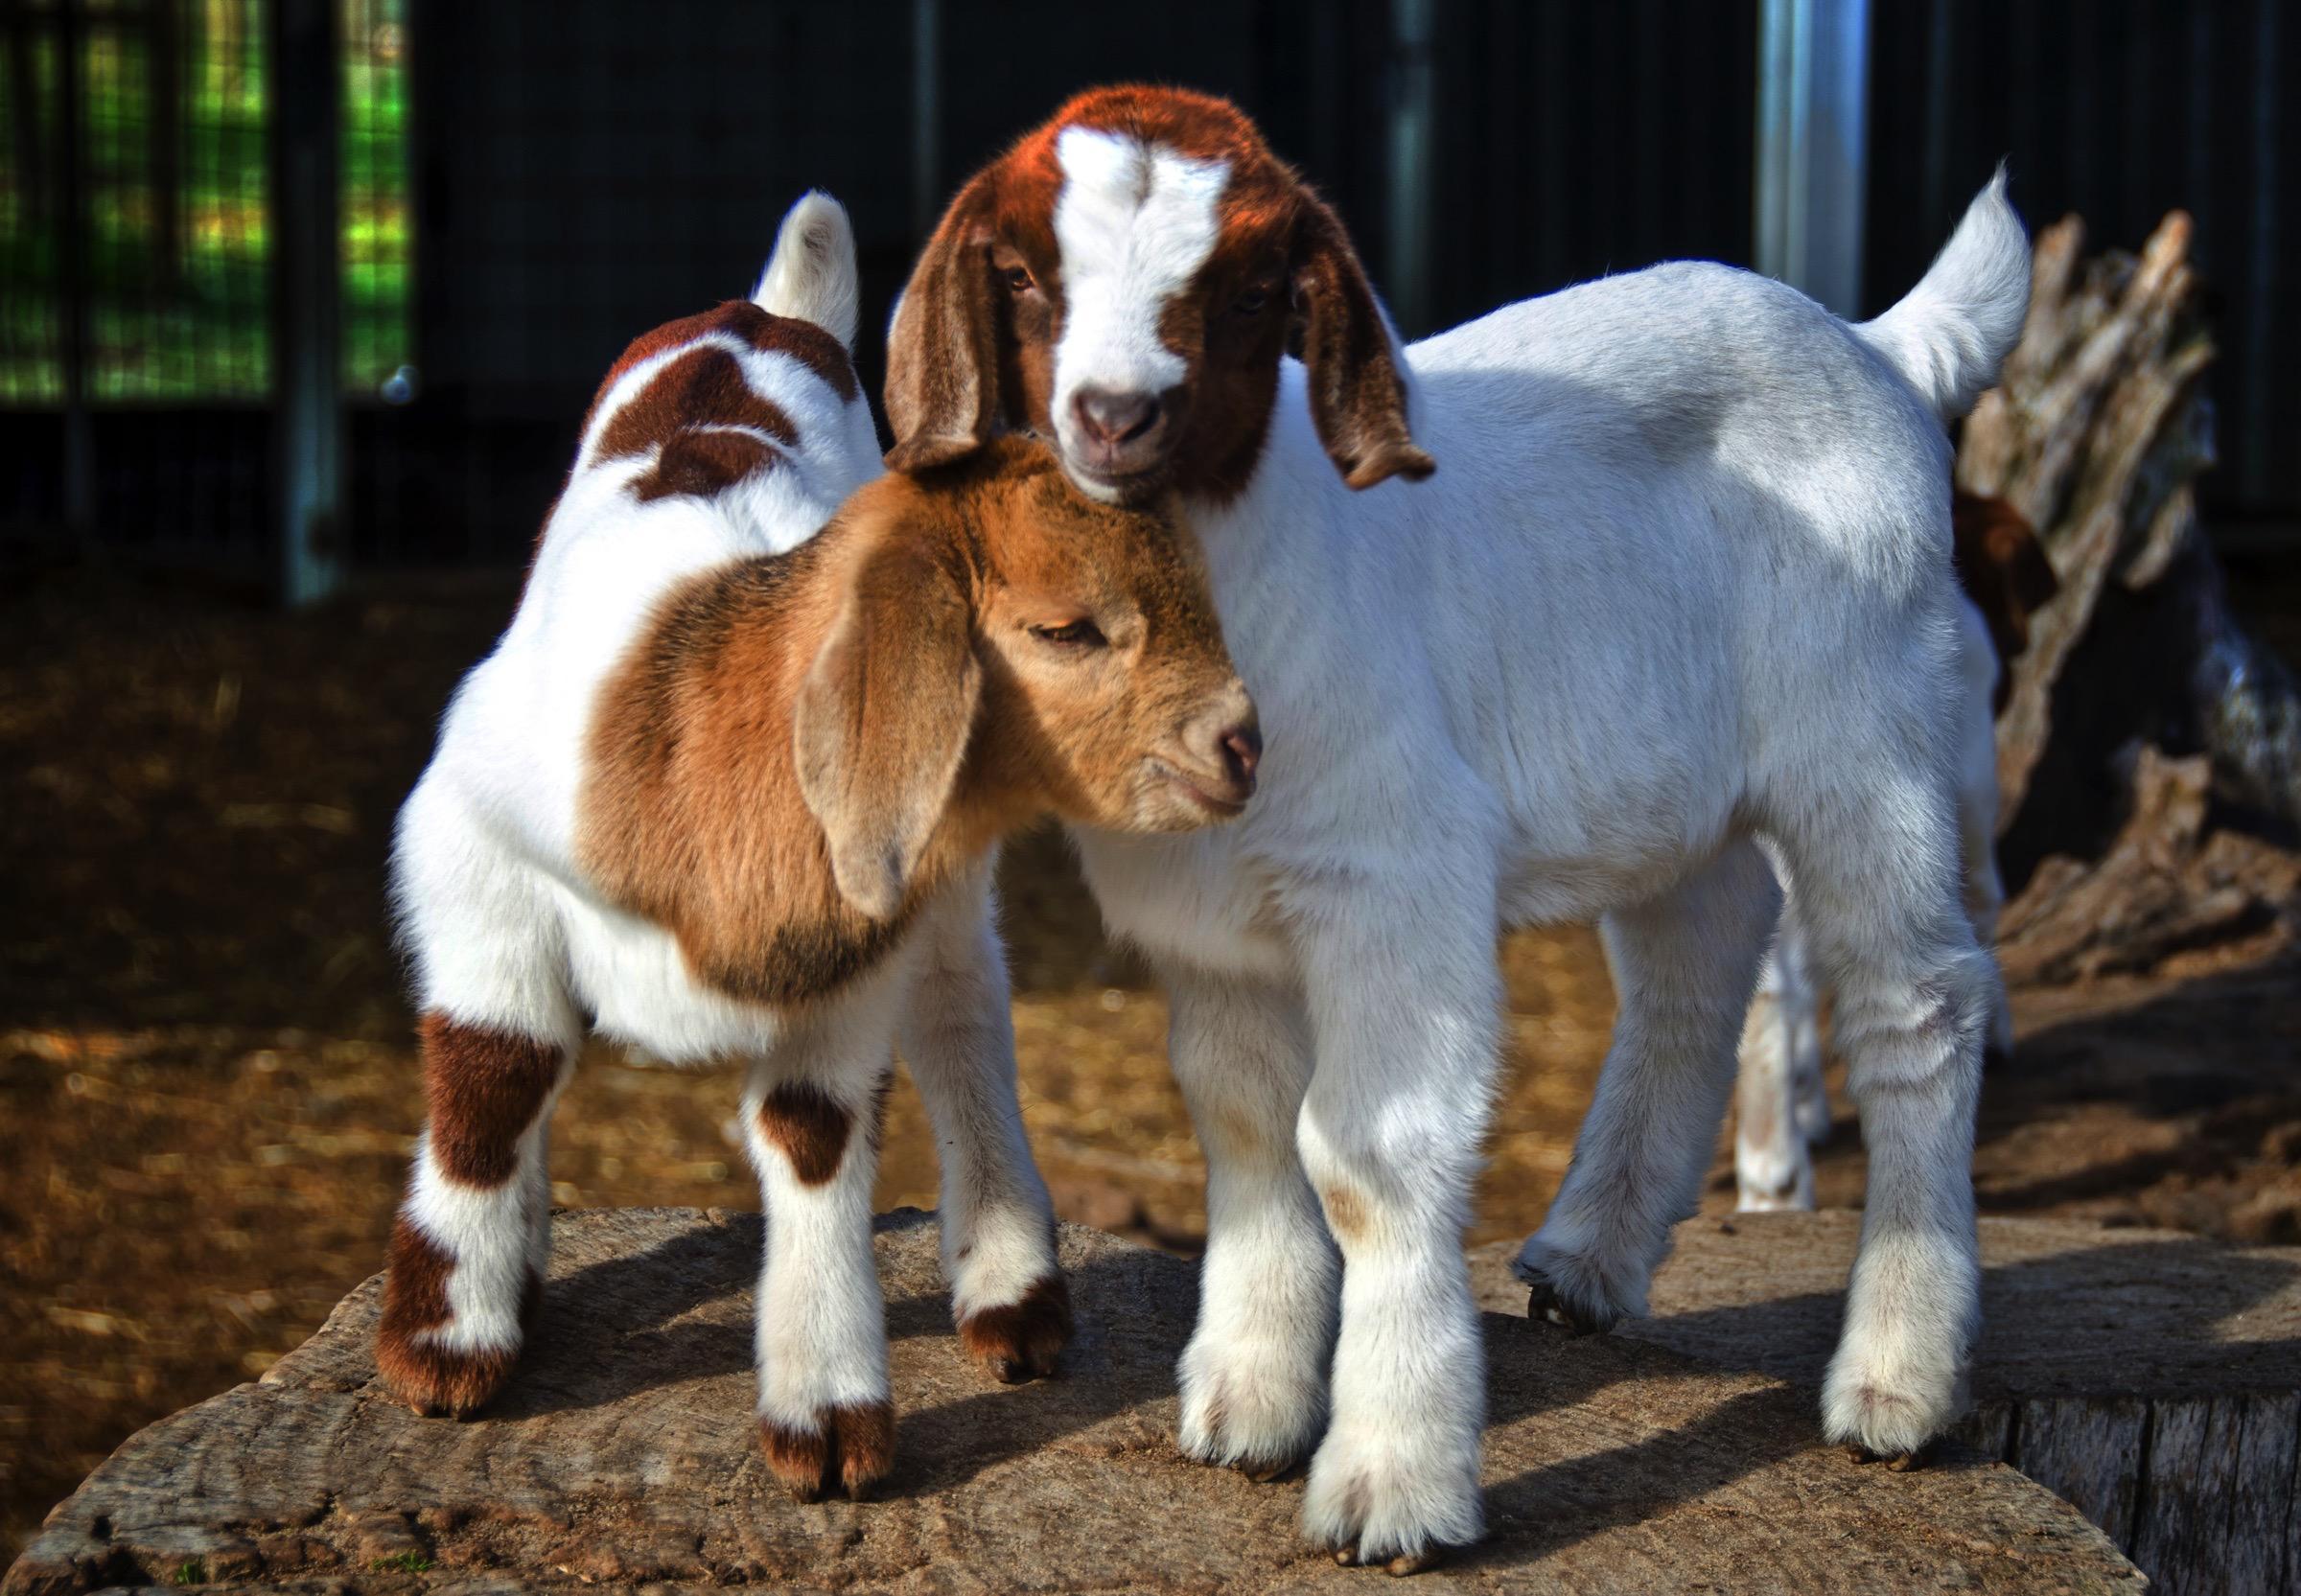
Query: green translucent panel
<point x="176" y="269"/>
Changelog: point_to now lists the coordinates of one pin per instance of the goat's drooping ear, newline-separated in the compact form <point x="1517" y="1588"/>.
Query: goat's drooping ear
<point x="883" y="718"/>
<point x="811" y="276"/>
<point x="942" y="356"/>
<point x="1357" y="388"/>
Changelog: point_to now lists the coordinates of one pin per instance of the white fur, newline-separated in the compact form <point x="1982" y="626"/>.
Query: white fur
<point x="1134" y="223"/>
<point x="1781" y="1106"/>
<point x="1682" y="580"/>
<point x="506" y="932"/>
<point x="810" y="276"/>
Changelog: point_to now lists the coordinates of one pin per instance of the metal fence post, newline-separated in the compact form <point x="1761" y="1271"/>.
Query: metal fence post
<point x="72" y="261"/>
<point x="306" y="357"/>
<point x="1813" y="145"/>
<point x="1414" y="115"/>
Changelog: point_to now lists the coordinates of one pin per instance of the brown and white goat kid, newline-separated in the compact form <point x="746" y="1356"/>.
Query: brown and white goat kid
<point x="1670" y="586"/>
<point x="728" y="789"/>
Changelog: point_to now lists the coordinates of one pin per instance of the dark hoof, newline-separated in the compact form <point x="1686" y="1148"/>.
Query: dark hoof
<point x="1546" y="1307"/>
<point x="1024" y="1339"/>
<point x="849" y="1448"/>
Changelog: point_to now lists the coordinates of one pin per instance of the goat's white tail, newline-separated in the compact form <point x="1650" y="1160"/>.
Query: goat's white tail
<point x="811" y="275"/>
<point x="1950" y="335"/>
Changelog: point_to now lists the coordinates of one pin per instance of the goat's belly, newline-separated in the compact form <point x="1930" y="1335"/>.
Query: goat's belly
<point x="631" y="975"/>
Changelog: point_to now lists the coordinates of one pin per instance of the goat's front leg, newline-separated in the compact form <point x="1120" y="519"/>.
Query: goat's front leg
<point x="1405" y="1003"/>
<point x="810" y="1115"/>
<point x="1012" y="1309"/>
<point x="472" y="1237"/>
<point x="1254" y="1376"/>
<point x="1684" y="965"/>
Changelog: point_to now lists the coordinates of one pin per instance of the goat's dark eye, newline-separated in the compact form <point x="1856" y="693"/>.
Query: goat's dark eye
<point x="1252" y="302"/>
<point x="1018" y="279"/>
<point x="1079" y="633"/>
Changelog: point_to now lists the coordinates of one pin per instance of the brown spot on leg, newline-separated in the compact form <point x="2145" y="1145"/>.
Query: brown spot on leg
<point x="1345" y="1212"/>
<point x="851" y="1445"/>
<point x="1023" y="1338"/>
<point x="485" y="1087"/>
<point x="809" y="1129"/>
<point x="796" y="1457"/>
<point x="429" y="1377"/>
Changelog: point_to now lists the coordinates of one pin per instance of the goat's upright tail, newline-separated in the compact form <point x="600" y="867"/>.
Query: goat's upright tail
<point x="811" y="276"/>
<point x="1950" y="335"/>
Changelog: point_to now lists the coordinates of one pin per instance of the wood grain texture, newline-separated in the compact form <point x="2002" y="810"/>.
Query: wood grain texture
<point x="2151" y="1378"/>
<point x="622" y="1454"/>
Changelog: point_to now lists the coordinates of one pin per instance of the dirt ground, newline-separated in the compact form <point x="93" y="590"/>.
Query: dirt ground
<point x="207" y="1089"/>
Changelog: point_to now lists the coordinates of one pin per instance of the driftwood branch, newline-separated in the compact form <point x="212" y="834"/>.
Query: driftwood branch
<point x="2096" y="435"/>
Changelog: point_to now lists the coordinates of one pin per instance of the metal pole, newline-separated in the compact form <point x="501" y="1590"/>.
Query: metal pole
<point x="1413" y="109"/>
<point x="307" y="383"/>
<point x="72" y="258"/>
<point x="927" y="115"/>
<point x="1813" y="144"/>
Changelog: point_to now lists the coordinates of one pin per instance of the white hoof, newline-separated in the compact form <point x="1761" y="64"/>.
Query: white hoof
<point x="1251" y="1405"/>
<point x="1394" y="1498"/>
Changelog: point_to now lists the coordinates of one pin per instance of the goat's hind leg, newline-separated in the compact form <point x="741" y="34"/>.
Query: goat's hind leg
<point x="1779" y="1104"/>
<point x="1875" y="874"/>
<point x="473" y="1239"/>
<point x="1685" y="966"/>
<point x="1008" y="1296"/>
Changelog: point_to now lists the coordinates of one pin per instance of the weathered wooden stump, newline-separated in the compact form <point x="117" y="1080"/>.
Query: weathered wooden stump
<point x="623" y="1453"/>
<point x="2152" y="1378"/>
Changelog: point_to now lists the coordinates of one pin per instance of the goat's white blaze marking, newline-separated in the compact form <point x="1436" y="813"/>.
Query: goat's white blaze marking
<point x="1134" y="223"/>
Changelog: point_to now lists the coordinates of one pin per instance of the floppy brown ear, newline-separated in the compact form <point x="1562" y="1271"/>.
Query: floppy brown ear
<point x="882" y="720"/>
<point x="942" y="357"/>
<point x="1358" y="393"/>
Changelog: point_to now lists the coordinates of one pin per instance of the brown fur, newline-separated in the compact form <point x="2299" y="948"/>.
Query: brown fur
<point x="428" y="1378"/>
<point x="2005" y="572"/>
<point x="485" y="1088"/>
<point x="1345" y="1213"/>
<point x="969" y="353"/>
<point x="809" y="1129"/>
<point x="852" y="1444"/>
<point x="762" y="330"/>
<point x="1023" y="1338"/>
<point x="801" y="748"/>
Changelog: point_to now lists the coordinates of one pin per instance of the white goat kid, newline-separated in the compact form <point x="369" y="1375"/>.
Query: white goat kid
<point x="1781" y="1108"/>
<point x="1681" y="582"/>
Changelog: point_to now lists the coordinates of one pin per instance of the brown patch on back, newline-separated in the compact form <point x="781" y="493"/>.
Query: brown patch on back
<point x="1345" y="1212"/>
<point x="704" y="387"/>
<point x="485" y="1088"/>
<point x="1025" y="1337"/>
<point x="809" y="1129"/>
<point x="2005" y="572"/>
<point x="739" y="318"/>
<point x="704" y="464"/>
<point x="852" y="1442"/>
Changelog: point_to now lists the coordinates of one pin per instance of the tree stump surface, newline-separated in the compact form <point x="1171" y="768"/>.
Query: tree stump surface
<point x="623" y="1453"/>
<point x="2149" y="1377"/>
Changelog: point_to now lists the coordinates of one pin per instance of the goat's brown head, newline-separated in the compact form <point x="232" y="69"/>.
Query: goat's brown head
<point x="1122" y="282"/>
<point x="1006" y="648"/>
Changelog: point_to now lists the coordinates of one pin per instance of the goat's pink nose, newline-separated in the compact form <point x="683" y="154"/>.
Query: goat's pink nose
<point x="1115" y="418"/>
<point x="1241" y="751"/>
